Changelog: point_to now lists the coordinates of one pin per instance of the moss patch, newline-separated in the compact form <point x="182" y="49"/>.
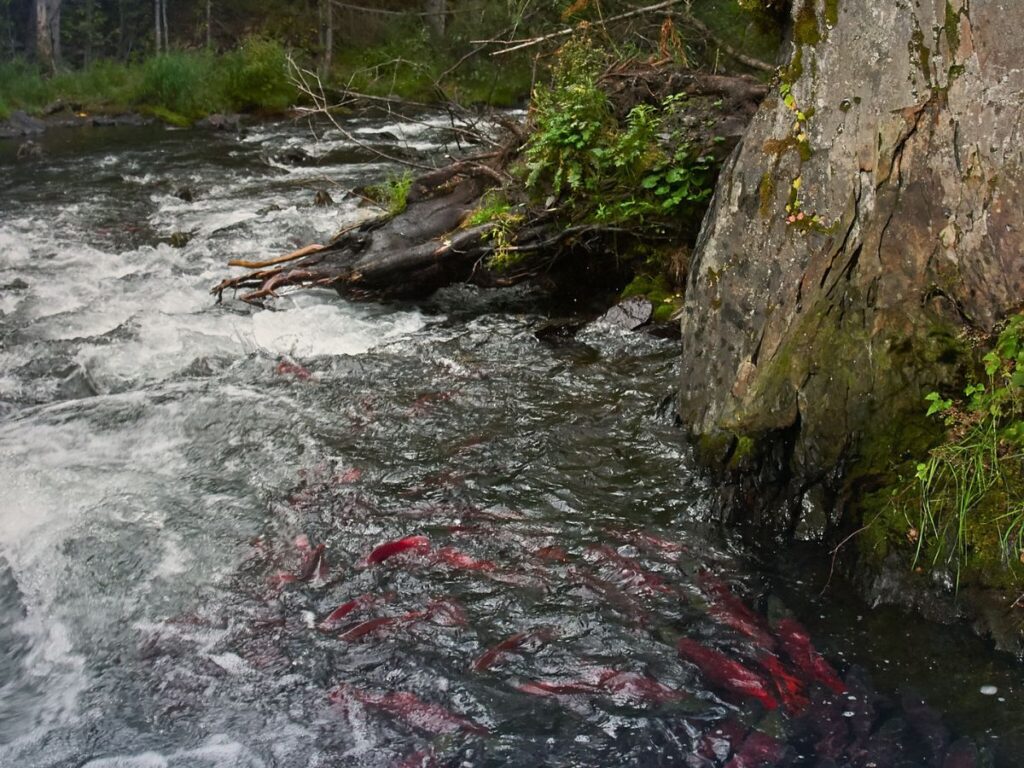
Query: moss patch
<point x="831" y="13"/>
<point x="805" y="29"/>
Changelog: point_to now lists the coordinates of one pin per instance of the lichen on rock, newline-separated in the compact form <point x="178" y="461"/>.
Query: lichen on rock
<point x="818" y="343"/>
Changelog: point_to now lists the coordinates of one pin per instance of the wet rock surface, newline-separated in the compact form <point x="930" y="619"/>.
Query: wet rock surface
<point x="871" y="212"/>
<point x="629" y="314"/>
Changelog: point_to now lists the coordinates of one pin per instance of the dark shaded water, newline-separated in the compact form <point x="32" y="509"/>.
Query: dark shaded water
<point x="168" y="466"/>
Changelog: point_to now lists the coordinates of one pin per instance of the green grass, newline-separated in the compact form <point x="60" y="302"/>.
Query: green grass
<point x="393" y="194"/>
<point x="964" y="507"/>
<point x="409" y="65"/>
<point x="178" y="87"/>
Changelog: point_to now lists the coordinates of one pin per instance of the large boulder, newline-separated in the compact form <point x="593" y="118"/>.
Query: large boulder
<point x="811" y="333"/>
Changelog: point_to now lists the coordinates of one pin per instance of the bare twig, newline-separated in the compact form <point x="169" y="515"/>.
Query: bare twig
<point x="835" y="554"/>
<point x="303" y="79"/>
<point x="518" y="45"/>
<point x="685" y="16"/>
<point x="742" y="58"/>
<point x="279" y="260"/>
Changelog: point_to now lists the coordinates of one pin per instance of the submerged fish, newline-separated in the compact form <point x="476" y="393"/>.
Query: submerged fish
<point x="287" y="367"/>
<point x="334" y="617"/>
<point x="392" y="548"/>
<point x="516" y="641"/>
<point x="759" y="750"/>
<point x="446" y="611"/>
<point x="727" y="608"/>
<point x="543" y="688"/>
<point x="797" y="645"/>
<point x="457" y="559"/>
<point x="631" y="686"/>
<point x="791" y="689"/>
<point x="726" y="673"/>
<point x="411" y="710"/>
<point x="314" y="564"/>
<point x="450" y="612"/>
<point x="553" y="553"/>
<point x="637" y="687"/>
<point x="631" y="573"/>
<point x="368" y="626"/>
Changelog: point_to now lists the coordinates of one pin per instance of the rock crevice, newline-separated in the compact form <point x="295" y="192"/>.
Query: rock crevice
<point x="872" y="212"/>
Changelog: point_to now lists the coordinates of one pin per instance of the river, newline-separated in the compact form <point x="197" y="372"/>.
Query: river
<point x="168" y="467"/>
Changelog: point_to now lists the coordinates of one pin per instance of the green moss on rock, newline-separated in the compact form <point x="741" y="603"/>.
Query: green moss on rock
<point x="805" y="29"/>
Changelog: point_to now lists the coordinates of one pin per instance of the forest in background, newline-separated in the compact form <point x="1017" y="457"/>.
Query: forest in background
<point x="187" y="58"/>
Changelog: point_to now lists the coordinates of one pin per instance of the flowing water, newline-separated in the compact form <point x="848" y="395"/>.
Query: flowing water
<point x="168" y="468"/>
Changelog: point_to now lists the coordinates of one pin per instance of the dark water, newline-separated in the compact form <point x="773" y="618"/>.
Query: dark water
<point x="168" y="466"/>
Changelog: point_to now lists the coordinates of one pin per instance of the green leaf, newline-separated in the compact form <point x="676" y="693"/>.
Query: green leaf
<point x="938" y="405"/>
<point x="992" y="363"/>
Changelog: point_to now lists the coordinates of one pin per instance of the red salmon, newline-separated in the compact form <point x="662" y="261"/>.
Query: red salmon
<point x="411" y="710"/>
<point x="726" y="673"/>
<point x="392" y="548"/>
<point x="286" y="367"/>
<point x="334" y="617"/>
<point x="457" y="559"/>
<point x="516" y="641"/>
<point x="797" y="645"/>
<point x="728" y="609"/>
<point x="790" y="689"/>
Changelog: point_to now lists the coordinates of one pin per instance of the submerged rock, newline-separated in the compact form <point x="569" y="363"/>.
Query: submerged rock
<point x="629" y="314"/>
<point x="20" y="124"/>
<point x="219" y="122"/>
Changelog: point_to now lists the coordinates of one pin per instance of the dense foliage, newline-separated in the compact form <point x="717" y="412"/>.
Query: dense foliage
<point x="178" y="86"/>
<point x="639" y="172"/>
<point x="965" y="504"/>
<point x="430" y="50"/>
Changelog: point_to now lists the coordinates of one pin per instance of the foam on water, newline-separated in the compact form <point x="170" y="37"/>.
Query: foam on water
<point x="131" y="477"/>
<point x="311" y="330"/>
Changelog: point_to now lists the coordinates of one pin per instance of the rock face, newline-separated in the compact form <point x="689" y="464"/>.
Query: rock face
<point x="811" y="334"/>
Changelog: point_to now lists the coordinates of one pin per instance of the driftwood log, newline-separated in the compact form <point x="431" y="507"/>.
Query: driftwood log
<point x="428" y="246"/>
<point x="404" y="256"/>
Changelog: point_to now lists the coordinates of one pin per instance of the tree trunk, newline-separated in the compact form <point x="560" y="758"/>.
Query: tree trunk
<point x="90" y="21"/>
<point x="122" y="31"/>
<point x="873" y="211"/>
<point x="167" y="31"/>
<point x="159" y="31"/>
<point x="326" y="37"/>
<point x="209" y="24"/>
<point x="436" y="16"/>
<point x="47" y="33"/>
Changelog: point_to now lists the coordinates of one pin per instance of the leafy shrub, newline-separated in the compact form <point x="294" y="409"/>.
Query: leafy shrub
<point x="102" y="82"/>
<point x="180" y="82"/>
<point x="573" y="123"/>
<point x="393" y="194"/>
<point x="257" y="76"/>
<point x="22" y="86"/>
<point x="604" y="171"/>
<point x="968" y="494"/>
<point x="495" y="209"/>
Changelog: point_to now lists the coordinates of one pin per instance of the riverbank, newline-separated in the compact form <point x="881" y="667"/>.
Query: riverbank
<point x="183" y="87"/>
<point x="177" y="87"/>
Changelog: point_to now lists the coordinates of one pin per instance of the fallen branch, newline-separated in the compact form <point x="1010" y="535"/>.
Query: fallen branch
<point x="279" y="260"/>
<point x="302" y="79"/>
<point x="685" y="17"/>
<point x="518" y="45"/>
<point x="742" y="58"/>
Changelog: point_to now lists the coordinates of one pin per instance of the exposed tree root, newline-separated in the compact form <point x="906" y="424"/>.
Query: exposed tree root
<point x="429" y="245"/>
